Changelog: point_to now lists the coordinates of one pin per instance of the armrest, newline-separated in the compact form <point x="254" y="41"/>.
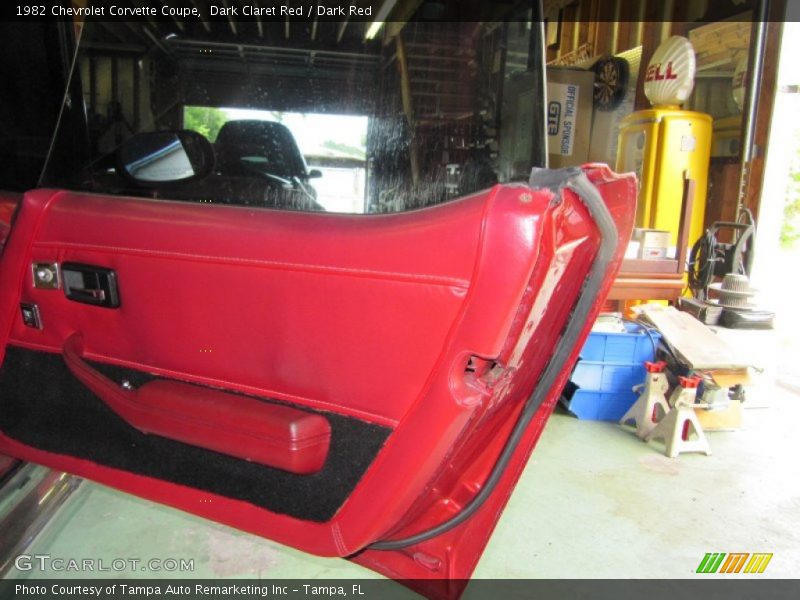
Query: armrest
<point x="240" y="426"/>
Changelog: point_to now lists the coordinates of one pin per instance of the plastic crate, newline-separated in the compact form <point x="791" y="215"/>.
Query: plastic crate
<point x="607" y="377"/>
<point x="600" y="406"/>
<point x="635" y="346"/>
<point x="611" y="364"/>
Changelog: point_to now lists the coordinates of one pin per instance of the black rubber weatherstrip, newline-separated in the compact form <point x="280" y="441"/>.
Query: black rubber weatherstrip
<point x="557" y="180"/>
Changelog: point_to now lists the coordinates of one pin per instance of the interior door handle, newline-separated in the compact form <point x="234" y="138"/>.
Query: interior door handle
<point x="90" y="284"/>
<point x="87" y="295"/>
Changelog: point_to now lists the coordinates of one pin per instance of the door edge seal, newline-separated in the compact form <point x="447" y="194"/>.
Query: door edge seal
<point x="555" y="180"/>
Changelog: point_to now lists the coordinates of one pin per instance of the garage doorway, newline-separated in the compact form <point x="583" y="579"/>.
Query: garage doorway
<point x="777" y="250"/>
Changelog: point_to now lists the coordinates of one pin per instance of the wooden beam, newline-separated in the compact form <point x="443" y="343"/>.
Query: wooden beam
<point x="568" y="26"/>
<point x="602" y="32"/>
<point x="639" y="20"/>
<point x="617" y="12"/>
<point x="259" y="24"/>
<point x="155" y="40"/>
<point x="397" y="19"/>
<point x="153" y="22"/>
<point x="178" y="22"/>
<point x="408" y="107"/>
<point x="621" y="41"/>
<point x="342" y="28"/>
<point x="680" y="18"/>
<point x="592" y="16"/>
<point x="203" y="20"/>
<point x="231" y="20"/>
<point x="112" y="48"/>
<point x="576" y="30"/>
<point x="665" y="17"/>
<point x="651" y="38"/>
<point x="113" y="31"/>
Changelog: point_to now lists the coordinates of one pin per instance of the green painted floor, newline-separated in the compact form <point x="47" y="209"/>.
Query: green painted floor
<point x="594" y="502"/>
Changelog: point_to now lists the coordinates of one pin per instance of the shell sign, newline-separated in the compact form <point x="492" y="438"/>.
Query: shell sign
<point x="670" y="74"/>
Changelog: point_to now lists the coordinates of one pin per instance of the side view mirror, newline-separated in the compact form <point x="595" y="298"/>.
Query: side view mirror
<point x="165" y="157"/>
<point x="314" y="174"/>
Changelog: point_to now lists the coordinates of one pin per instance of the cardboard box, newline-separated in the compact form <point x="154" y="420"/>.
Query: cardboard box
<point x="725" y="419"/>
<point x="569" y="116"/>
<point x="653" y="243"/>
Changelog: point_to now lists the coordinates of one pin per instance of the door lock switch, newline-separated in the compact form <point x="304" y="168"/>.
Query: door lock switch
<point x="30" y="315"/>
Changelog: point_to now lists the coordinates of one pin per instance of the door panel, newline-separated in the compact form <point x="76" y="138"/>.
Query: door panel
<point x="418" y="336"/>
<point x="218" y="293"/>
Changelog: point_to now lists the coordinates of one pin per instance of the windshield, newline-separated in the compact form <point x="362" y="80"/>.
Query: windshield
<point x="307" y="115"/>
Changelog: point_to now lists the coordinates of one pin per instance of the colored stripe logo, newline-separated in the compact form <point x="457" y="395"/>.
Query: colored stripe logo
<point x="734" y="562"/>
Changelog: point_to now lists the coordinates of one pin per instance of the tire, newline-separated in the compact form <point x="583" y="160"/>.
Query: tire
<point x="610" y="82"/>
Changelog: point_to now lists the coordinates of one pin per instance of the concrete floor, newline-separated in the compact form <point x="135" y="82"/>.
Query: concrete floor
<point x="594" y="502"/>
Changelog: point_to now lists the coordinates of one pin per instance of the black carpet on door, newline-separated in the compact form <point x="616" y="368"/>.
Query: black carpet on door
<point x="44" y="406"/>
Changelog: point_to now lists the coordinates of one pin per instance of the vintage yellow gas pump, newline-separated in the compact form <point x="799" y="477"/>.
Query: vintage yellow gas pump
<point x="664" y="144"/>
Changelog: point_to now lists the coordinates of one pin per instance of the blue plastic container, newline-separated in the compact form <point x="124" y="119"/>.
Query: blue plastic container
<point x="607" y="377"/>
<point x="611" y="364"/>
<point x="633" y="346"/>
<point x="600" y="406"/>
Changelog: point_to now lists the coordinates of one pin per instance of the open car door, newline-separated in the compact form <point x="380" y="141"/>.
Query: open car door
<point x="360" y="386"/>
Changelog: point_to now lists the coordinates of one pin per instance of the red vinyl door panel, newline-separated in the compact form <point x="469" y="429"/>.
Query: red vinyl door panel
<point x="417" y="337"/>
<point x="264" y="301"/>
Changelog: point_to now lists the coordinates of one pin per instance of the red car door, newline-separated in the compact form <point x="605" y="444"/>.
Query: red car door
<point x="358" y="386"/>
<point x="416" y="339"/>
